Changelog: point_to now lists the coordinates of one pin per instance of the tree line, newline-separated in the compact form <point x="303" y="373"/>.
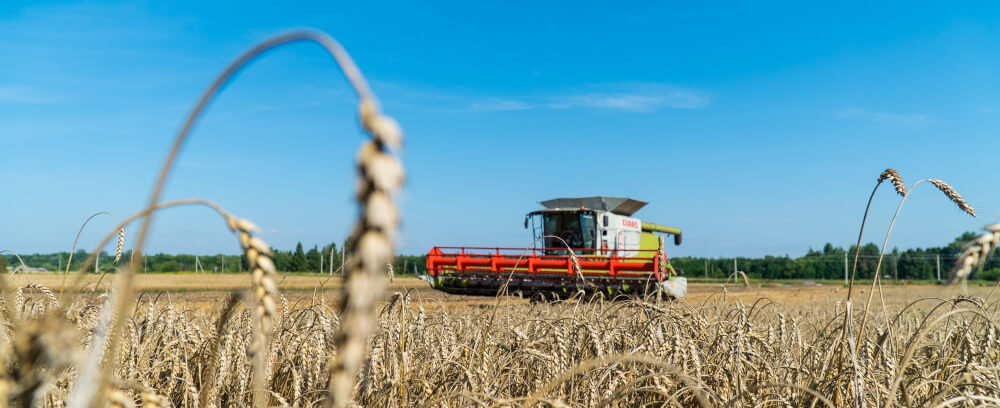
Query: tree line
<point x="829" y="263"/>
<point x="329" y="258"/>
<point x="826" y="263"/>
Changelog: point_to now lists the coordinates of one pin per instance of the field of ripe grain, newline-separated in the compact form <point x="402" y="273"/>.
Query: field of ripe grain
<point x="209" y="282"/>
<point x="780" y="346"/>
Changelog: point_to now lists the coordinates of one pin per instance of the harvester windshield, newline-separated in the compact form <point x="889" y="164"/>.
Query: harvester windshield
<point x="576" y="228"/>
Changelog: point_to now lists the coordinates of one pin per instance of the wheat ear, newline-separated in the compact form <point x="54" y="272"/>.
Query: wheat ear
<point x="975" y="253"/>
<point x="121" y="245"/>
<point x="953" y="196"/>
<point x="258" y="255"/>
<point x="381" y="176"/>
<point x="893" y="176"/>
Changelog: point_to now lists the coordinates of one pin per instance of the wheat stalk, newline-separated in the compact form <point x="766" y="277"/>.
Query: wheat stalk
<point x="888" y="174"/>
<point x="381" y="176"/>
<point x="952" y="195"/>
<point x="21" y="261"/>
<point x="121" y="244"/>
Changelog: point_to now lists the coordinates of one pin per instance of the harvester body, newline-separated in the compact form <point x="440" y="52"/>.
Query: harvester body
<point x="589" y="244"/>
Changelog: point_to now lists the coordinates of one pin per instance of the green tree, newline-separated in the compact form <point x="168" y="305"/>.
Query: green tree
<point x="3" y="264"/>
<point x="168" y="266"/>
<point x="299" y="262"/>
<point x="312" y="260"/>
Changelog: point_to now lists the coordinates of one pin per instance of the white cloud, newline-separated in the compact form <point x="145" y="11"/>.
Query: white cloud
<point x="895" y="120"/>
<point x="498" y="104"/>
<point x="476" y="105"/>
<point x="636" y="98"/>
<point x="629" y="97"/>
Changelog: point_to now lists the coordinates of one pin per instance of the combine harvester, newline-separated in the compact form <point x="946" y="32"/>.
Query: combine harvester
<point x="615" y="253"/>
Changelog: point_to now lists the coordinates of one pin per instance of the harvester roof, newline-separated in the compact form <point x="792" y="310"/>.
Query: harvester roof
<point x="618" y="205"/>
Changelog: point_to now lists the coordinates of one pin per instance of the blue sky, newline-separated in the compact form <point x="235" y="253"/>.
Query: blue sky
<point x="757" y="129"/>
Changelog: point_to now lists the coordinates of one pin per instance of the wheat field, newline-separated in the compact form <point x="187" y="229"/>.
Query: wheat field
<point x="596" y="352"/>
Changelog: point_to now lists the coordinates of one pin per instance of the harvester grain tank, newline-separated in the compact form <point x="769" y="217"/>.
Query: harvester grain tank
<point x="590" y="244"/>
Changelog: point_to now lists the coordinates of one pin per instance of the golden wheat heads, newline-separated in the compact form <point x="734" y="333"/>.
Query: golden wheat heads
<point x="953" y="196"/>
<point x="121" y="244"/>
<point x="975" y="253"/>
<point x="893" y="176"/>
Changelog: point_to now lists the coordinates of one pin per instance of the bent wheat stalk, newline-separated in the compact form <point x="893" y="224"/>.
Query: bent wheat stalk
<point x="381" y="176"/>
<point x="892" y="176"/>
<point x="77" y="282"/>
<point x="23" y="266"/>
<point x="257" y="253"/>
<point x="118" y="250"/>
<point x="888" y="174"/>
<point x="953" y="196"/>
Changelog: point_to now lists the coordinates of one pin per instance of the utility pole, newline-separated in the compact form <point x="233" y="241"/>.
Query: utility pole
<point x="706" y="268"/>
<point x="333" y="250"/>
<point x="343" y="253"/>
<point x="734" y="269"/>
<point x="895" y="268"/>
<point x="938" y="262"/>
<point x="845" y="269"/>
<point x="321" y="262"/>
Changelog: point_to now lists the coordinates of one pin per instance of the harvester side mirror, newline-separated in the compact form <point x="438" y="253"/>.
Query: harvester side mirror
<point x="677" y="239"/>
<point x="525" y="222"/>
<point x="605" y="220"/>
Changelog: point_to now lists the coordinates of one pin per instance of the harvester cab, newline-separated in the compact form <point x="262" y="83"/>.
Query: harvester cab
<point x="595" y="225"/>
<point x="589" y="244"/>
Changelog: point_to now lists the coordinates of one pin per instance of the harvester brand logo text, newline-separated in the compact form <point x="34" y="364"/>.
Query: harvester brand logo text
<point x="630" y="223"/>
